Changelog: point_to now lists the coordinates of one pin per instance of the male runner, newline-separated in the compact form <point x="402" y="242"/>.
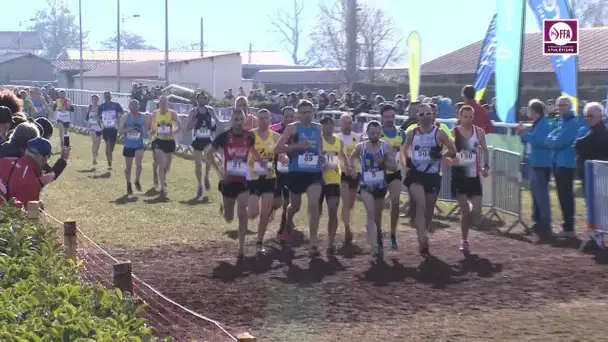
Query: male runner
<point x="63" y="109"/>
<point x="350" y="178"/>
<point x="305" y="168"/>
<point x="374" y="158"/>
<point x="133" y="126"/>
<point x="110" y="114"/>
<point x="165" y="125"/>
<point x="395" y="137"/>
<point x="262" y="183"/>
<point x="281" y="194"/>
<point x="234" y="144"/>
<point x="466" y="187"/>
<point x="424" y="147"/>
<point x="202" y="122"/>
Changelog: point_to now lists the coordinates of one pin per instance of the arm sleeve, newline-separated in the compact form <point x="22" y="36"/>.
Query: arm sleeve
<point x="563" y="137"/>
<point x="59" y="166"/>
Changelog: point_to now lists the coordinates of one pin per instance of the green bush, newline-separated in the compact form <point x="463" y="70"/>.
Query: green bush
<point x="42" y="298"/>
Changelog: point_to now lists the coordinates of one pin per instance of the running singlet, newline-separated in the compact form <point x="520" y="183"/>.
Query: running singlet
<point x="235" y="156"/>
<point x="278" y="127"/>
<point x="266" y="150"/>
<point x="135" y="137"/>
<point x="424" y="146"/>
<point x="38" y="104"/>
<point x="468" y="152"/>
<point x="109" y="114"/>
<point x="350" y="142"/>
<point x="204" y="124"/>
<point x="280" y="167"/>
<point x="373" y="175"/>
<point x="306" y="160"/>
<point x="163" y="125"/>
<point x="62" y="108"/>
<point x="395" y="138"/>
<point x="331" y="152"/>
<point x="94" y="119"/>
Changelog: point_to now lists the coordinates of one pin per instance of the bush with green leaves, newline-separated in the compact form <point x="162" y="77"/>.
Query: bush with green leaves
<point x="42" y="298"/>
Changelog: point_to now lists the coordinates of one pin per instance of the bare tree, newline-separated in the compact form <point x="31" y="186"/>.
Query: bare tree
<point x="591" y="13"/>
<point x="288" y="26"/>
<point x="377" y="35"/>
<point x="182" y="45"/>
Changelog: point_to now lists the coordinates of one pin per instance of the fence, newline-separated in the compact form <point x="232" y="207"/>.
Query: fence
<point x="167" y="317"/>
<point x="596" y="198"/>
<point x="83" y="97"/>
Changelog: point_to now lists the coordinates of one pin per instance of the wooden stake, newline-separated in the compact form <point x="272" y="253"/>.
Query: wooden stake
<point x="70" y="240"/>
<point x="123" y="276"/>
<point x="33" y="210"/>
<point x="245" y="337"/>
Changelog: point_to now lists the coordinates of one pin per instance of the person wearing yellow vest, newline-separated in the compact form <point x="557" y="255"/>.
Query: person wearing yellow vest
<point x="63" y="108"/>
<point x="262" y="179"/>
<point x="165" y="125"/>
<point x="333" y="151"/>
<point x="395" y="138"/>
<point x="350" y="177"/>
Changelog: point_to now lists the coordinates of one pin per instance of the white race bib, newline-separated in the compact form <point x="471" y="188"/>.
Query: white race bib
<point x="203" y="133"/>
<point x="109" y="118"/>
<point x="164" y="129"/>
<point x="466" y="158"/>
<point x="373" y="178"/>
<point x="236" y="167"/>
<point x="63" y="116"/>
<point x="134" y="135"/>
<point x="93" y="121"/>
<point x="308" y="159"/>
<point x="282" y="168"/>
<point x="331" y="159"/>
<point x="258" y="169"/>
<point x="397" y="155"/>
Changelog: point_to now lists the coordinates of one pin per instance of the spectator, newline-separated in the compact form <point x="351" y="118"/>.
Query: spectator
<point x="241" y="92"/>
<point x="17" y="143"/>
<point x="560" y="142"/>
<point x="22" y="178"/>
<point x="539" y="159"/>
<point x="6" y="119"/>
<point x="481" y="118"/>
<point x="445" y="108"/>
<point x="47" y="128"/>
<point x="10" y="100"/>
<point x="594" y="144"/>
<point x="323" y="101"/>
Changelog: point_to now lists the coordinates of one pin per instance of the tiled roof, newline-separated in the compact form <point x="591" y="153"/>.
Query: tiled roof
<point x="144" y="69"/>
<point x="74" y="65"/>
<point x="322" y="75"/>
<point x="593" y="55"/>
<point x="257" y="57"/>
<point x="10" y="40"/>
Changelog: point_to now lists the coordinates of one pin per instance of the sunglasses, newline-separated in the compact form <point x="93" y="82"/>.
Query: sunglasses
<point x="426" y="114"/>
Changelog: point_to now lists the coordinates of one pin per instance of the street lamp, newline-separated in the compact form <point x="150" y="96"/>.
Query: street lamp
<point x="123" y="19"/>
<point x="166" y="43"/>
<point x="119" y="19"/>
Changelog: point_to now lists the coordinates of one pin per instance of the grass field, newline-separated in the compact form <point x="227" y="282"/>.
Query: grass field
<point x="512" y="288"/>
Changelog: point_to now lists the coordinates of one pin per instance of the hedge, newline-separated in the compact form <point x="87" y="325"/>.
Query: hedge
<point x="42" y="298"/>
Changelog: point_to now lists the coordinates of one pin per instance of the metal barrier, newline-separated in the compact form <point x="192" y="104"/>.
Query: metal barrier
<point x="83" y="97"/>
<point x="596" y="198"/>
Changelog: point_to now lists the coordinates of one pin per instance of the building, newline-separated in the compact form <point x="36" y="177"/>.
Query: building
<point x="213" y="73"/>
<point x="20" y="42"/>
<point x="25" y="69"/>
<point x="68" y="70"/>
<point x="458" y="68"/>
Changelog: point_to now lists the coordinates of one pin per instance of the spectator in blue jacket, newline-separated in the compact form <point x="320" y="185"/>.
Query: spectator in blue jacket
<point x="540" y="161"/>
<point x="561" y="141"/>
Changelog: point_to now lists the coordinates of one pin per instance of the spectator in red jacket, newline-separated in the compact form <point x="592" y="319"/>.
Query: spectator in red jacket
<point x="22" y="178"/>
<point x="482" y="119"/>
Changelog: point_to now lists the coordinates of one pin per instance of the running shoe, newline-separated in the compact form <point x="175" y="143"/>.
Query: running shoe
<point x="199" y="192"/>
<point x="155" y="184"/>
<point x="377" y="252"/>
<point x="129" y="189"/>
<point x="284" y="238"/>
<point x="394" y="245"/>
<point x="207" y="184"/>
<point x="314" y="252"/>
<point x="137" y="186"/>
<point x="331" y="250"/>
<point x="94" y="161"/>
<point x="259" y="246"/>
<point x="239" y="259"/>
<point x="424" y="249"/>
<point x="566" y="234"/>
<point x="465" y="247"/>
<point x="348" y="237"/>
<point x="163" y="193"/>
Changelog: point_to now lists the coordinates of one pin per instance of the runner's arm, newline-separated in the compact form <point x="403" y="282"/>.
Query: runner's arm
<point x="282" y="146"/>
<point x="218" y="143"/>
<point x="484" y="148"/>
<point x="178" y="121"/>
<point x="190" y="125"/>
<point x="121" y="124"/>
<point x="444" y="140"/>
<point x="356" y="154"/>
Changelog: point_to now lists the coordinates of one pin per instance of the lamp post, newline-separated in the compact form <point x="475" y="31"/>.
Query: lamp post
<point x="119" y="19"/>
<point x="80" y="43"/>
<point x="166" y="43"/>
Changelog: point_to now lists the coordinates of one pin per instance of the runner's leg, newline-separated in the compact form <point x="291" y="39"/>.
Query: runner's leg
<point x="394" y="191"/>
<point x="370" y="223"/>
<point x="476" y="209"/>
<point x="95" y="146"/>
<point x="128" y="167"/>
<point x="139" y="157"/>
<point x="313" y="193"/>
<point x="333" y="202"/>
<point x="293" y="207"/>
<point x="207" y="169"/>
<point x="241" y="211"/>
<point x="346" y="197"/>
<point x="198" y="168"/>
<point x="109" y="150"/>
<point x="253" y="206"/>
<point x="265" y="209"/>
<point x="418" y="196"/>
<point x="160" y="161"/>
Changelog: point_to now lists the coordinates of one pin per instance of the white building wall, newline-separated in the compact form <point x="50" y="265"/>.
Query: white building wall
<point x="214" y="74"/>
<point x="107" y="84"/>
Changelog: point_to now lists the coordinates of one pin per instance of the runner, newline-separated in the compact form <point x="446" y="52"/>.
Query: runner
<point x="374" y="158"/>
<point x="262" y="182"/>
<point x="202" y="122"/>
<point x="62" y="109"/>
<point x="251" y="121"/>
<point x="93" y="119"/>
<point x="466" y="187"/>
<point x="350" y="178"/>
<point x="424" y="147"/>
<point x="281" y="194"/>
<point x="395" y="138"/>
<point x="333" y="152"/>
<point x="234" y="144"/>
<point x="133" y="126"/>
<point x="110" y="115"/>
<point x="306" y="175"/>
<point x="165" y="125"/>
<point x="40" y="106"/>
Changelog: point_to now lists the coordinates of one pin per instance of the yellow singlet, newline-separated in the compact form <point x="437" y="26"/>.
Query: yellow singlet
<point x="163" y="125"/>
<point x="350" y="142"/>
<point x="332" y="153"/>
<point x="266" y="150"/>
<point x="394" y="144"/>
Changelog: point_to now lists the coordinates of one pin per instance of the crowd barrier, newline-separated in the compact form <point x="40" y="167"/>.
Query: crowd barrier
<point x="83" y="97"/>
<point x="596" y="198"/>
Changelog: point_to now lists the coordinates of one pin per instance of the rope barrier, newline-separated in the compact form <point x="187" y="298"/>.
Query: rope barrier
<point x="143" y="283"/>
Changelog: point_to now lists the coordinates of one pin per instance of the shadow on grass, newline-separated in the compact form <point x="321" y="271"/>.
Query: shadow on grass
<point x="258" y="264"/>
<point x="483" y="267"/>
<point x="316" y="271"/>
<point x="104" y="175"/>
<point x="381" y="273"/>
<point x="196" y="201"/>
<point x="91" y="170"/>
<point x="151" y="192"/>
<point x="350" y="251"/>
<point x="124" y="199"/>
<point x="234" y="234"/>
<point x="157" y="200"/>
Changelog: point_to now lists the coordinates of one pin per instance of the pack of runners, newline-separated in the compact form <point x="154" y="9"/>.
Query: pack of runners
<point x="265" y="168"/>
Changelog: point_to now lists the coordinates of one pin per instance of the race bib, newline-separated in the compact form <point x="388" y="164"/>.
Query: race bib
<point x="63" y="116"/>
<point x="164" y="129"/>
<point x="236" y="167"/>
<point x="282" y="168"/>
<point x="203" y="133"/>
<point x="308" y="159"/>
<point x="467" y="158"/>
<point x="258" y="169"/>
<point x="423" y="153"/>
<point x="134" y="135"/>
<point x="373" y="178"/>
<point x="331" y="159"/>
<point x="93" y="121"/>
<point x="397" y="154"/>
<point x="528" y="149"/>
<point x="109" y="118"/>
